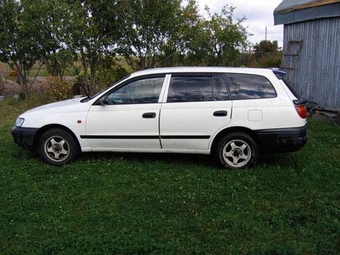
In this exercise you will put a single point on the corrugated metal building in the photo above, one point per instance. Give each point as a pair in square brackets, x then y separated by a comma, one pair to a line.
[311, 45]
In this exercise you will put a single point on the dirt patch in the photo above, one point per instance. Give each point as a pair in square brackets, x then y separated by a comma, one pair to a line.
[9, 88]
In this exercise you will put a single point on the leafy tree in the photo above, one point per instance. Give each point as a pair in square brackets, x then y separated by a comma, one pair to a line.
[23, 37]
[227, 37]
[148, 26]
[192, 38]
[264, 47]
[58, 60]
[91, 34]
[267, 54]
[213, 40]
[58, 57]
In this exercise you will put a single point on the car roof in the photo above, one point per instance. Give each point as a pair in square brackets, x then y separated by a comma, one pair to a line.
[166, 70]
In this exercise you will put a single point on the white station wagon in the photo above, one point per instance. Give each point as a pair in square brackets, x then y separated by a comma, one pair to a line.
[233, 114]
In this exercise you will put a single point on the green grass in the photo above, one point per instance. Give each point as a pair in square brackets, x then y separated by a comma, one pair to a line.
[170, 204]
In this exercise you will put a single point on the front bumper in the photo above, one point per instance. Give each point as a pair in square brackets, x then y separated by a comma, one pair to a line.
[283, 140]
[24, 137]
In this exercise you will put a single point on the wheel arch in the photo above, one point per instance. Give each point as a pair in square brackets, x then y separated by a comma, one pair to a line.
[43, 129]
[230, 130]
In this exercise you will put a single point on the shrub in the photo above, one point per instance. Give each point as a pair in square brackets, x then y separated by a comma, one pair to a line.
[59, 89]
[13, 74]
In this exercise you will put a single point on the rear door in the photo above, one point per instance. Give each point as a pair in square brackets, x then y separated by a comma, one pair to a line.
[197, 107]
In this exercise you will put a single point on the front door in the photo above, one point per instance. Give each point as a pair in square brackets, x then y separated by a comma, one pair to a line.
[128, 118]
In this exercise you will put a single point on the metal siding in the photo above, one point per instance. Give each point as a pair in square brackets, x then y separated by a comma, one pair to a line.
[311, 10]
[317, 70]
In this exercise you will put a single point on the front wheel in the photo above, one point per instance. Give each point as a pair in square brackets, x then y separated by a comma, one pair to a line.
[57, 147]
[237, 151]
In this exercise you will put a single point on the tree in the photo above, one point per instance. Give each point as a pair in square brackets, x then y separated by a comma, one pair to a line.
[192, 39]
[23, 37]
[91, 34]
[58, 57]
[226, 37]
[267, 54]
[216, 39]
[148, 26]
[264, 47]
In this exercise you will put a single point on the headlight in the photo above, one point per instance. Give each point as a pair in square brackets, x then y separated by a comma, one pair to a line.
[19, 122]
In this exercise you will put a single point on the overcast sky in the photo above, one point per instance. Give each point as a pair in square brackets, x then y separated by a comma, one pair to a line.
[259, 15]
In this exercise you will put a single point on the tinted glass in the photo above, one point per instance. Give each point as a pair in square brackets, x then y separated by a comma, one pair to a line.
[246, 86]
[197, 88]
[144, 91]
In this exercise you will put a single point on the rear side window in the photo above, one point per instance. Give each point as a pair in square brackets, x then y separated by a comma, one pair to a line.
[247, 86]
[193, 88]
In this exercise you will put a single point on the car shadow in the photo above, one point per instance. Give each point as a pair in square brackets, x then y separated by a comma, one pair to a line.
[173, 158]
[265, 160]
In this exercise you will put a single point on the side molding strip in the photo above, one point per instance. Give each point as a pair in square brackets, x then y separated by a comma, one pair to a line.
[143, 137]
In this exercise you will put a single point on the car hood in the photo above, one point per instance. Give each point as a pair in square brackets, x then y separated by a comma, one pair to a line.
[59, 106]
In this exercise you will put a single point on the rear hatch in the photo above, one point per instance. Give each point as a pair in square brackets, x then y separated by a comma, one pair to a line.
[299, 101]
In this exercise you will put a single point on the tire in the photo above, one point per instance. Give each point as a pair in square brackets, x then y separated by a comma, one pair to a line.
[237, 151]
[57, 147]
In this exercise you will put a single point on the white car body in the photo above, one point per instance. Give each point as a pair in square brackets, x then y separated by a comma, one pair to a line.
[162, 126]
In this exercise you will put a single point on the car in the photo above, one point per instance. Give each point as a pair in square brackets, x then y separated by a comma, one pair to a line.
[233, 114]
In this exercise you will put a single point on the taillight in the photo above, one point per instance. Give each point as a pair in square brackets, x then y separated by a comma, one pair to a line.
[300, 107]
[301, 110]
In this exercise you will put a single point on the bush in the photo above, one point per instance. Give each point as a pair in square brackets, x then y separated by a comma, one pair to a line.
[13, 74]
[59, 89]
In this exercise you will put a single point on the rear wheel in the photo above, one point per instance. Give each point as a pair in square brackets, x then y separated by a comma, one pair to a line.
[237, 151]
[57, 147]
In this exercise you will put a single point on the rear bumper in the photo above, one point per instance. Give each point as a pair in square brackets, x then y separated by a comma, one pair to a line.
[24, 137]
[282, 140]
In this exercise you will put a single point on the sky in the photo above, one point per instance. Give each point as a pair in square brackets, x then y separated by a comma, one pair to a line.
[259, 15]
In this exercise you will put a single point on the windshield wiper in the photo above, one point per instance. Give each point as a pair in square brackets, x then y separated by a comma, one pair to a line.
[82, 85]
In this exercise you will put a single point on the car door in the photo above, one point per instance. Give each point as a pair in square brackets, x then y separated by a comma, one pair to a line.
[197, 107]
[127, 117]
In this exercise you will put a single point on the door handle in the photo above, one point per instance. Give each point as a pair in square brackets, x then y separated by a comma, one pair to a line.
[220, 113]
[149, 115]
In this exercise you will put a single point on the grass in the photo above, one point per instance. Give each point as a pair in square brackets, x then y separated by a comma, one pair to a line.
[170, 204]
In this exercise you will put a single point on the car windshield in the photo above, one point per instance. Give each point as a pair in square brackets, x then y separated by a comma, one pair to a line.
[86, 99]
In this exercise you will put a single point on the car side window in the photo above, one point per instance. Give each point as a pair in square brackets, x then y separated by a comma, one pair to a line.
[193, 88]
[143, 91]
[247, 86]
